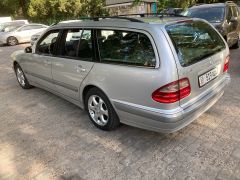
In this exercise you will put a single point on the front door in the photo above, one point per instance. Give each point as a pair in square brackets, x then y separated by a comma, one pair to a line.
[39, 64]
[74, 63]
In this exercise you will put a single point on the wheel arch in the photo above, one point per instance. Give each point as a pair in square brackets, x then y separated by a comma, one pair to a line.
[87, 88]
[15, 63]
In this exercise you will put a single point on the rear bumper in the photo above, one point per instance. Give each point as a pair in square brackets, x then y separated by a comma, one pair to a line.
[167, 121]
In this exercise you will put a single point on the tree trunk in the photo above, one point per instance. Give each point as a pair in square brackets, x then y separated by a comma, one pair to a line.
[23, 7]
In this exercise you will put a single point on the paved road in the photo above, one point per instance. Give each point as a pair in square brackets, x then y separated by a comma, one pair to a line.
[45, 137]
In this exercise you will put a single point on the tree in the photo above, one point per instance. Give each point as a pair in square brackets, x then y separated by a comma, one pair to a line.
[57, 10]
[181, 3]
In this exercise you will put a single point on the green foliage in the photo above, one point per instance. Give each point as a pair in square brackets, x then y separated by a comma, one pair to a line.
[181, 3]
[51, 11]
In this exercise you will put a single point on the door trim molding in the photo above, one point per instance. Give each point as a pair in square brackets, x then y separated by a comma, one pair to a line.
[67, 86]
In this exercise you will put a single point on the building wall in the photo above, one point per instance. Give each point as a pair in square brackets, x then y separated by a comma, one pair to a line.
[128, 8]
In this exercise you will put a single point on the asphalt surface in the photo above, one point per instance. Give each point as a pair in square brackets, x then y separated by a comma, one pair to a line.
[45, 137]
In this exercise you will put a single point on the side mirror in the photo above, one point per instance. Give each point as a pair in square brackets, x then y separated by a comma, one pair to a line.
[28, 49]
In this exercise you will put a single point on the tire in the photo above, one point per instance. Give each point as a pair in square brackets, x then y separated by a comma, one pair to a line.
[12, 41]
[21, 78]
[236, 45]
[100, 110]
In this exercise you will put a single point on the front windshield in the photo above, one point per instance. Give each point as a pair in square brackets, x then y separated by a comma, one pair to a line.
[214, 14]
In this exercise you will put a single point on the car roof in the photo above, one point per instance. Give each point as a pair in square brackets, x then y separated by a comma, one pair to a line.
[134, 22]
[212, 5]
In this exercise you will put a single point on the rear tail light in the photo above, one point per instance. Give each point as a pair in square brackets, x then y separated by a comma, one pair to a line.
[226, 64]
[172, 92]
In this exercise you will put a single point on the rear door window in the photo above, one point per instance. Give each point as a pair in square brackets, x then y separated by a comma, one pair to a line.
[194, 41]
[125, 47]
[77, 44]
[71, 42]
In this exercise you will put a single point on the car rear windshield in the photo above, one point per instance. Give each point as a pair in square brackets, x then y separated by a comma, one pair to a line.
[194, 41]
[213, 14]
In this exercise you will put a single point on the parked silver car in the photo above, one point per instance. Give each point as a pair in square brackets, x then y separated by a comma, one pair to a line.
[158, 74]
[21, 34]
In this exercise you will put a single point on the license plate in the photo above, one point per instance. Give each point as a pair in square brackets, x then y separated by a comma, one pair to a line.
[207, 77]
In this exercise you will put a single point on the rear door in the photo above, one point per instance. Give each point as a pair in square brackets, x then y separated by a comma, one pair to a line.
[201, 55]
[74, 62]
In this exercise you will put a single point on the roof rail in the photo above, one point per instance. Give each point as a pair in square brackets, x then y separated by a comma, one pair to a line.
[117, 17]
[111, 17]
[132, 19]
[154, 14]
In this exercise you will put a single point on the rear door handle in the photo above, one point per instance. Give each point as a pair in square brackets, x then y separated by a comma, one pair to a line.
[79, 68]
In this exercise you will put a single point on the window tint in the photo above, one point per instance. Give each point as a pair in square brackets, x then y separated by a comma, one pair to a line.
[85, 46]
[77, 44]
[48, 43]
[194, 41]
[71, 43]
[125, 47]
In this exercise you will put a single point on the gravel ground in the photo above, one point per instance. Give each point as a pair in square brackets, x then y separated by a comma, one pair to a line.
[45, 137]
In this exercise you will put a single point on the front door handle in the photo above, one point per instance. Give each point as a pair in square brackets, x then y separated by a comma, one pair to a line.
[79, 68]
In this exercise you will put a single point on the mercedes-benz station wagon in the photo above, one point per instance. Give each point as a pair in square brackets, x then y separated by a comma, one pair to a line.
[155, 73]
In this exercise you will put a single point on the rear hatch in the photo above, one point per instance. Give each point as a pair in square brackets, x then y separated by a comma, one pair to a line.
[202, 56]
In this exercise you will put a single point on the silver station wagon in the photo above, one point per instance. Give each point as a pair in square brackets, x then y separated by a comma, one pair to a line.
[155, 73]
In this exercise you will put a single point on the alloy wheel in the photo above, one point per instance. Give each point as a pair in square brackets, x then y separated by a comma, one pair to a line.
[20, 76]
[98, 110]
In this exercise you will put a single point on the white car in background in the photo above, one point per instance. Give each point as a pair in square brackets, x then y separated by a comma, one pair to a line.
[21, 34]
[7, 26]
[35, 37]
[5, 19]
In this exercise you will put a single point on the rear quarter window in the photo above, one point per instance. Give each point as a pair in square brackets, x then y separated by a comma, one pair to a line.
[126, 48]
[194, 41]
